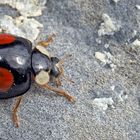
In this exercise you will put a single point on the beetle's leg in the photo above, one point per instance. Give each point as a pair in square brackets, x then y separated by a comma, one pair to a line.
[47, 42]
[60, 64]
[58, 82]
[60, 92]
[63, 75]
[67, 79]
[15, 110]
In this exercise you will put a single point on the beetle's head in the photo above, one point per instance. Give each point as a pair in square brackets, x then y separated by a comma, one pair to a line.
[56, 69]
[44, 66]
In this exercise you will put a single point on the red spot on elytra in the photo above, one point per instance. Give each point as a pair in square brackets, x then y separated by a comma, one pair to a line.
[6, 39]
[6, 80]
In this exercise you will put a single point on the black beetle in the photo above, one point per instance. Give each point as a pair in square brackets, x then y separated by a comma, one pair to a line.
[19, 64]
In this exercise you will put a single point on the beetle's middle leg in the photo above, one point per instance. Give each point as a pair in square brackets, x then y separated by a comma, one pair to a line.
[15, 110]
[60, 92]
[47, 42]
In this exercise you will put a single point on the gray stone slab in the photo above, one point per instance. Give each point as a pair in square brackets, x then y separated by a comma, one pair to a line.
[47, 116]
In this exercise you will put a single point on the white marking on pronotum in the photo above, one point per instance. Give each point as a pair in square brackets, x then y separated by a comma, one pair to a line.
[42, 78]
[43, 50]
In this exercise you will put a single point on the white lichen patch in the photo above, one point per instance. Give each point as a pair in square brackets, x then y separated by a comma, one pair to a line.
[21, 26]
[116, 1]
[134, 33]
[122, 97]
[112, 87]
[109, 26]
[136, 43]
[106, 58]
[27, 8]
[138, 7]
[100, 56]
[42, 78]
[103, 103]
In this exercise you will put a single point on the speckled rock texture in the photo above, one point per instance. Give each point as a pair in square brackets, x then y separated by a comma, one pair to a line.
[107, 92]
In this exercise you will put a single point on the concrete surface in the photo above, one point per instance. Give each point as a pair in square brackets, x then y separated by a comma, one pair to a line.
[47, 116]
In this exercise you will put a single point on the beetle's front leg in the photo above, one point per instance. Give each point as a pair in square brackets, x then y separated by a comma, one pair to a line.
[58, 82]
[47, 42]
[15, 110]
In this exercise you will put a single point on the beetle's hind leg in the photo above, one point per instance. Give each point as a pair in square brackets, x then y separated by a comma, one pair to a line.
[15, 110]
[48, 41]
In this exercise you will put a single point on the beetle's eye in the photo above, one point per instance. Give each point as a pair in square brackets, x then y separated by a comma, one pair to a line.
[54, 60]
[55, 71]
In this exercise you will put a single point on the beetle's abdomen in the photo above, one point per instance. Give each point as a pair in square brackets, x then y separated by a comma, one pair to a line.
[15, 67]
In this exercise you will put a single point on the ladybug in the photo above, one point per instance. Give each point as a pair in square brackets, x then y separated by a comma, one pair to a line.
[20, 64]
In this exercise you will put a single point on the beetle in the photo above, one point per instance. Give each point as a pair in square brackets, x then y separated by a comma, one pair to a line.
[20, 64]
